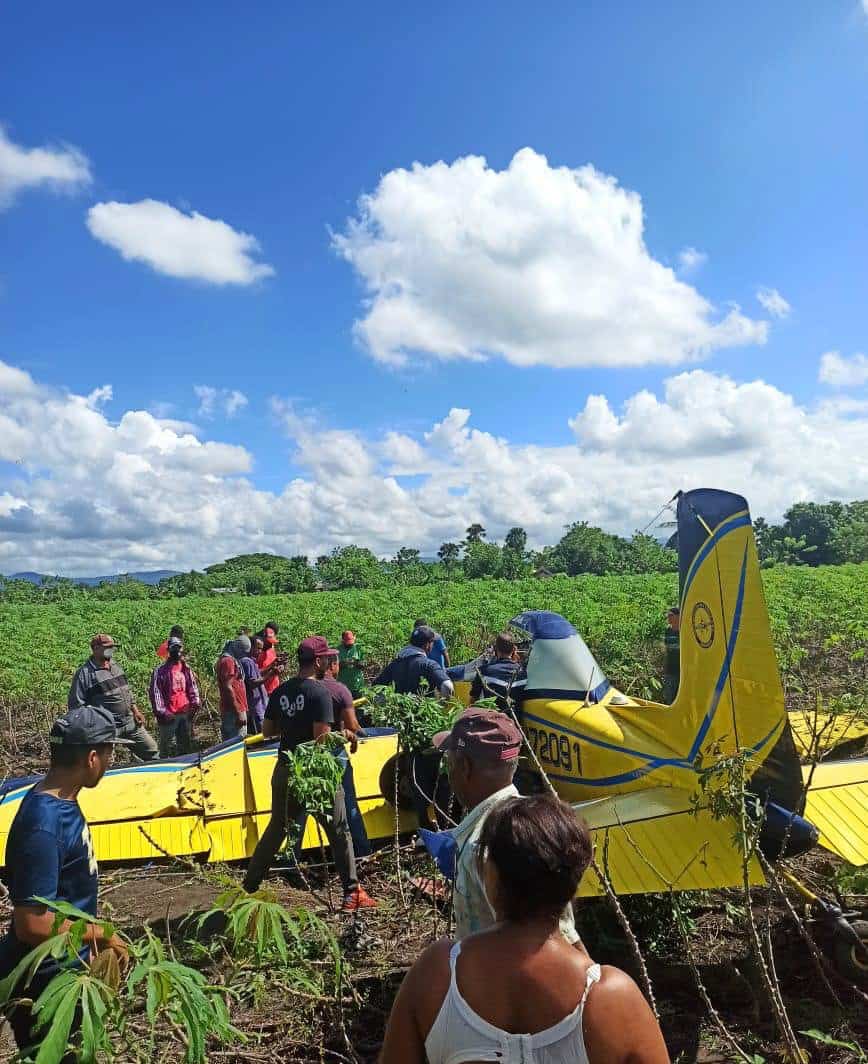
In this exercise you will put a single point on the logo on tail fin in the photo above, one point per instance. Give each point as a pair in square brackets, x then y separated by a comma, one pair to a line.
[703, 625]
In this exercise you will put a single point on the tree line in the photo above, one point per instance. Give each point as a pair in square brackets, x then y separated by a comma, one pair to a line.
[810, 534]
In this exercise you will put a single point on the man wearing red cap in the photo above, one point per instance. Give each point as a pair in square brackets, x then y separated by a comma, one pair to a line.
[100, 681]
[482, 752]
[300, 711]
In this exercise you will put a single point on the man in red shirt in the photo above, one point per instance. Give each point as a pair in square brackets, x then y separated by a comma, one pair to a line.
[267, 657]
[233, 692]
[174, 699]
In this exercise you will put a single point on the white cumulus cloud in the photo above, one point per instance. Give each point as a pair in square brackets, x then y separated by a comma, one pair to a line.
[168, 499]
[841, 372]
[771, 300]
[62, 168]
[188, 246]
[537, 264]
[213, 401]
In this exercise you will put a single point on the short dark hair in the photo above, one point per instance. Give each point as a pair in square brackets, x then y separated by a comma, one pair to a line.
[176, 632]
[504, 645]
[273, 625]
[420, 622]
[540, 849]
[69, 756]
[422, 635]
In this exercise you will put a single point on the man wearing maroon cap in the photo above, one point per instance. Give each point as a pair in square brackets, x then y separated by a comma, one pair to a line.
[100, 681]
[299, 711]
[482, 752]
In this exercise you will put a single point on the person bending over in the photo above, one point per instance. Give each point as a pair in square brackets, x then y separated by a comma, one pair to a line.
[518, 992]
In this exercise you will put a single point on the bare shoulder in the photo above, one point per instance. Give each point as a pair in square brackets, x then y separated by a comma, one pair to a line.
[618, 1023]
[427, 983]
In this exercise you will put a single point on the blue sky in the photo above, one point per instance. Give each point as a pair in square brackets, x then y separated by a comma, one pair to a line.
[739, 129]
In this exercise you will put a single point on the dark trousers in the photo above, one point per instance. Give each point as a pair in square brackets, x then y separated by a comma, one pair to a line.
[429, 786]
[285, 808]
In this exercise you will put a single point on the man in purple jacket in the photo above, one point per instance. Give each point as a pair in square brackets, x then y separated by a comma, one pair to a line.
[174, 699]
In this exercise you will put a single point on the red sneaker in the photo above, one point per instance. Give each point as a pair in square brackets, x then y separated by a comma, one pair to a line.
[358, 899]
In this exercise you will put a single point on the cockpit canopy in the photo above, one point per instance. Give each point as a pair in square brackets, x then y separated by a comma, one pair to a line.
[560, 664]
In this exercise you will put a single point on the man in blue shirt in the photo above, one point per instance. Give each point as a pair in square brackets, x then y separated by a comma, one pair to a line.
[406, 673]
[438, 651]
[502, 677]
[49, 855]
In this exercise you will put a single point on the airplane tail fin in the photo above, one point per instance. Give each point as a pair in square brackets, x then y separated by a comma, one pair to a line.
[730, 697]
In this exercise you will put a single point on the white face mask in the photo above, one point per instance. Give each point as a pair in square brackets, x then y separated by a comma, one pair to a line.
[108, 653]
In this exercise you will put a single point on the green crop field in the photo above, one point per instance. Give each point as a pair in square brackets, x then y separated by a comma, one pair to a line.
[819, 621]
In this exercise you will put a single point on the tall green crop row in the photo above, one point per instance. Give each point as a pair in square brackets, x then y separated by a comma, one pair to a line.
[818, 615]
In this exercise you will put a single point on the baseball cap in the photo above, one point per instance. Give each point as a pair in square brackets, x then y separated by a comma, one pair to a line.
[348, 638]
[102, 640]
[86, 726]
[315, 646]
[422, 635]
[483, 734]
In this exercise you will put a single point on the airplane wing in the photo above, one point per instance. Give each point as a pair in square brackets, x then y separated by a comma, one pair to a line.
[818, 733]
[653, 841]
[837, 804]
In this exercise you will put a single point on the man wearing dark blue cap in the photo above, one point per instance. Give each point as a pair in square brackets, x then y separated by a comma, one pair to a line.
[49, 855]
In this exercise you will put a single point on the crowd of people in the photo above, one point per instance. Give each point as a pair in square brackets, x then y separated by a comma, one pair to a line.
[516, 862]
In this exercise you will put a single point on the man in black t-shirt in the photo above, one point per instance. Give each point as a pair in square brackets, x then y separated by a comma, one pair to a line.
[300, 710]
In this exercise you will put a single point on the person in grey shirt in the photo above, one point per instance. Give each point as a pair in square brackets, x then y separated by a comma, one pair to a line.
[101, 682]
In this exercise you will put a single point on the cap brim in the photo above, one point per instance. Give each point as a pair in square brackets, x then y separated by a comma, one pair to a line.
[441, 741]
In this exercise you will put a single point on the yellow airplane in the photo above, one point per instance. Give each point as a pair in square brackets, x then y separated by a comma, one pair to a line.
[631, 767]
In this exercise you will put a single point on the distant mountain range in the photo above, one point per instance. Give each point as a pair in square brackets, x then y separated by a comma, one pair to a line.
[91, 581]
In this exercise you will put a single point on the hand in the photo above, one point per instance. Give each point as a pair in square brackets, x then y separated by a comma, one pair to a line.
[117, 946]
[242, 728]
[351, 738]
[137, 716]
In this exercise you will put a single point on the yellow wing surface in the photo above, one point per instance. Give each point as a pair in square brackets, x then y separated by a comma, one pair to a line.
[818, 733]
[837, 804]
[654, 842]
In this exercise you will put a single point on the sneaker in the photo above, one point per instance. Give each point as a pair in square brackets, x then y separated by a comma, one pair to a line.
[358, 899]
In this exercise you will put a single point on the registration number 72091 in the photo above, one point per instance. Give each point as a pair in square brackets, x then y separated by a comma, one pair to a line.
[555, 749]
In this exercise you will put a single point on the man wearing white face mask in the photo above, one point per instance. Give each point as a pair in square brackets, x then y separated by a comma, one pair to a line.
[100, 681]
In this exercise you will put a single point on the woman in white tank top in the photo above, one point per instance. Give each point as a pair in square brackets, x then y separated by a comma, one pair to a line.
[518, 993]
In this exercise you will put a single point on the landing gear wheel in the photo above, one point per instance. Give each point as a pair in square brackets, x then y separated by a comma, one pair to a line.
[401, 764]
[851, 960]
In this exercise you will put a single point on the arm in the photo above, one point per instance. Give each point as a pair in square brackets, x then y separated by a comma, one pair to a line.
[78, 689]
[158, 704]
[416, 1006]
[385, 677]
[193, 696]
[270, 728]
[446, 660]
[37, 875]
[437, 679]
[35, 924]
[619, 1026]
[320, 730]
[476, 687]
